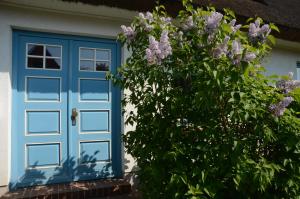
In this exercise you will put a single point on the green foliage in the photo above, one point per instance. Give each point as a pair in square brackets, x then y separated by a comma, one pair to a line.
[203, 128]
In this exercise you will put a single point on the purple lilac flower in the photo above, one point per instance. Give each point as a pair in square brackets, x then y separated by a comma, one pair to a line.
[279, 109]
[257, 33]
[166, 19]
[254, 29]
[232, 22]
[249, 56]
[150, 56]
[212, 22]
[128, 32]
[142, 16]
[149, 17]
[154, 45]
[287, 85]
[234, 27]
[265, 29]
[221, 49]
[286, 101]
[188, 24]
[237, 47]
[145, 21]
[157, 51]
[165, 45]
[236, 52]
[226, 39]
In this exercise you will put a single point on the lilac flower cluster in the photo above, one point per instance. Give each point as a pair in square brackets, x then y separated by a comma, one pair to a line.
[146, 20]
[148, 16]
[212, 22]
[128, 32]
[164, 22]
[157, 51]
[287, 86]
[237, 48]
[257, 33]
[221, 49]
[165, 45]
[166, 19]
[249, 56]
[279, 109]
[236, 52]
[234, 27]
[188, 24]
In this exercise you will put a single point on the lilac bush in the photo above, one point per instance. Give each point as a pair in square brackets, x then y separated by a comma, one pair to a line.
[208, 123]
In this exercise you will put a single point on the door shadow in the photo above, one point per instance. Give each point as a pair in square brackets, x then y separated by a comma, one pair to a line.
[88, 167]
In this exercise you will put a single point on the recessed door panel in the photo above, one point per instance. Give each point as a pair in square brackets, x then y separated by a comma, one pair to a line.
[37, 158]
[43, 88]
[43, 122]
[94, 90]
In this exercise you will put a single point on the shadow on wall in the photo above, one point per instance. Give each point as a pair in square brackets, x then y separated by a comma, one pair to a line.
[131, 176]
[87, 167]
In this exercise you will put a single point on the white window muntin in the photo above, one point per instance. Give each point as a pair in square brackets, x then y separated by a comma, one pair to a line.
[94, 60]
[44, 57]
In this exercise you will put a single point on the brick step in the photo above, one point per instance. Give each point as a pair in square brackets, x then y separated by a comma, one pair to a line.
[73, 190]
[123, 196]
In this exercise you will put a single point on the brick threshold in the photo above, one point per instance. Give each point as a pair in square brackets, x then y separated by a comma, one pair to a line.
[74, 190]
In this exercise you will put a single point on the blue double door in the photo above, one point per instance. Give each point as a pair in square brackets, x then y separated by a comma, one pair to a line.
[66, 114]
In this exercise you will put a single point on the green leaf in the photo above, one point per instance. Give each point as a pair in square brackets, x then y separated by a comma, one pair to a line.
[274, 27]
[215, 73]
[272, 39]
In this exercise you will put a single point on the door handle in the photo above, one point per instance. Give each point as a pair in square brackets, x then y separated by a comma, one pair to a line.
[74, 116]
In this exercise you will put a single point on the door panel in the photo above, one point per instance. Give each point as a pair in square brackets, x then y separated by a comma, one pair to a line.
[91, 97]
[66, 118]
[42, 111]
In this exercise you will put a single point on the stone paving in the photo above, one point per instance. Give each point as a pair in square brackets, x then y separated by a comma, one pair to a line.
[99, 189]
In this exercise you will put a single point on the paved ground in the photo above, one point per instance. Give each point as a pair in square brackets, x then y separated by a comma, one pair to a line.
[108, 189]
[3, 190]
[127, 196]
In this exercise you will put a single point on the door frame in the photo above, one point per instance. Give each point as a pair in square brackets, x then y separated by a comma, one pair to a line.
[116, 103]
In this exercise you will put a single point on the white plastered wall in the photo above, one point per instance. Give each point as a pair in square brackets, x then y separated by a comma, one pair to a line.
[283, 59]
[50, 16]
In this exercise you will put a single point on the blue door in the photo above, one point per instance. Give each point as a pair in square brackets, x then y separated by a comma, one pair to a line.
[66, 115]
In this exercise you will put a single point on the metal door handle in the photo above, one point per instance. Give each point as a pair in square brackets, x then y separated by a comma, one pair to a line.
[74, 116]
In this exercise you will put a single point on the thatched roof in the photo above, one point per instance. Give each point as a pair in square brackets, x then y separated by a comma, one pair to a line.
[284, 13]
